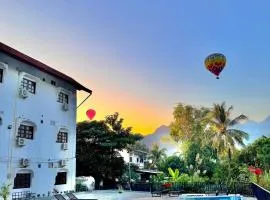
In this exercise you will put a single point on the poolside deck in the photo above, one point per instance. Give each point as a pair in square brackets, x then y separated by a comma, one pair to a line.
[126, 195]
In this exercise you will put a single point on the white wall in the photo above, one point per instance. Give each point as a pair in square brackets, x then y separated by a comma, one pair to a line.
[125, 154]
[42, 106]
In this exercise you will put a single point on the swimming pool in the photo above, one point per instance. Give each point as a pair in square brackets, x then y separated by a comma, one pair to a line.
[233, 197]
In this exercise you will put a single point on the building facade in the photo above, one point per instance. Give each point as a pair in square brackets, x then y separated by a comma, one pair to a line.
[37, 125]
[136, 157]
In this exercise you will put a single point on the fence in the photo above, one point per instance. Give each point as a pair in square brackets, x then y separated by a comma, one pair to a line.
[242, 188]
[260, 193]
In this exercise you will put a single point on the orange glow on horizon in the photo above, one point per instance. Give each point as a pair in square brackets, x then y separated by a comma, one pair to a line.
[143, 118]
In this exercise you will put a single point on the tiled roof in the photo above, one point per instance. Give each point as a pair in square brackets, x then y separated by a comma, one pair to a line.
[41, 66]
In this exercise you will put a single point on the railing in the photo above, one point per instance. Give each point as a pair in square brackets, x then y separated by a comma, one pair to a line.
[242, 188]
[146, 187]
[260, 193]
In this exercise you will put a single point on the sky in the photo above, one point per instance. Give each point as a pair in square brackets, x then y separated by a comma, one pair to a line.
[141, 58]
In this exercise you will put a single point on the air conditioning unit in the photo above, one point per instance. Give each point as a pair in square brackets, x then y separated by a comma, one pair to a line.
[64, 146]
[21, 142]
[63, 163]
[65, 106]
[23, 93]
[25, 162]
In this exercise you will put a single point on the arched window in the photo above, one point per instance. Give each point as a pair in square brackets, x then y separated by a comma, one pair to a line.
[28, 82]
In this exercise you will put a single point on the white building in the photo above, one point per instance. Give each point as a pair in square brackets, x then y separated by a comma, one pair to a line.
[136, 157]
[37, 125]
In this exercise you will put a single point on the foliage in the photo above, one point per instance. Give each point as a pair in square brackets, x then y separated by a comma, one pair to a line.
[257, 154]
[156, 155]
[159, 178]
[5, 191]
[98, 144]
[222, 135]
[138, 146]
[173, 162]
[201, 159]
[265, 180]
[188, 123]
[227, 172]
[174, 175]
[133, 175]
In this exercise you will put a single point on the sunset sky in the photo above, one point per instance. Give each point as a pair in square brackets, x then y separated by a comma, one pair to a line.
[142, 57]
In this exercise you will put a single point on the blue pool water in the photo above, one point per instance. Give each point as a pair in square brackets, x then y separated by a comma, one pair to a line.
[214, 198]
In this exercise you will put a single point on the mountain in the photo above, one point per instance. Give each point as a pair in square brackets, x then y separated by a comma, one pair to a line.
[161, 135]
[156, 137]
[256, 129]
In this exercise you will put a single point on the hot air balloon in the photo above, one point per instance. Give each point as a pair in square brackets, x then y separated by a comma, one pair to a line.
[91, 114]
[215, 63]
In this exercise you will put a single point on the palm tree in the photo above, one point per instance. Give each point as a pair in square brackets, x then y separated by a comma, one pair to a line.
[222, 135]
[156, 155]
[5, 191]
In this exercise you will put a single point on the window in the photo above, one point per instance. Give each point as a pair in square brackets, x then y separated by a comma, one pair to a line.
[62, 137]
[53, 82]
[22, 181]
[1, 75]
[26, 132]
[61, 178]
[62, 98]
[130, 159]
[30, 86]
[137, 160]
[141, 160]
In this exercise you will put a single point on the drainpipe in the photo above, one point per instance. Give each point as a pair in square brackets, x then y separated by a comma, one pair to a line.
[12, 133]
[84, 100]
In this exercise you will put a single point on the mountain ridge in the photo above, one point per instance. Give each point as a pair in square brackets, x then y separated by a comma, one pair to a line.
[255, 130]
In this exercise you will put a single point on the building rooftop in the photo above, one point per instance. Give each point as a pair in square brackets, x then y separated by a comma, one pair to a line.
[41, 66]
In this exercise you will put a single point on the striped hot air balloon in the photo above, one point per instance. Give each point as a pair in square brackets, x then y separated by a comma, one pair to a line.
[215, 63]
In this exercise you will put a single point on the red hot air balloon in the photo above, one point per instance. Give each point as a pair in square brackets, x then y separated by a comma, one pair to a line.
[91, 114]
[215, 63]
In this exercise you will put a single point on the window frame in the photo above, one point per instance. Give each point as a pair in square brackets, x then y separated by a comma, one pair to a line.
[63, 97]
[62, 137]
[60, 180]
[20, 184]
[29, 85]
[26, 134]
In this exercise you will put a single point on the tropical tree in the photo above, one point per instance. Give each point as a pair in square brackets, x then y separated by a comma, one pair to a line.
[156, 155]
[188, 124]
[257, 154]
[138, 146]
[222, 135]
[201, 158]
[173, 162]
[98, 146]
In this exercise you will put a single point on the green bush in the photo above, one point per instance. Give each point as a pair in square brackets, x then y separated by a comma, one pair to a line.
[264, 180]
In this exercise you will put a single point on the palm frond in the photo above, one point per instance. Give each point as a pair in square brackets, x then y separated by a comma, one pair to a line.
[238, 120]
[238, 136]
